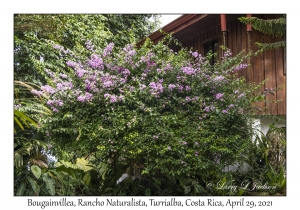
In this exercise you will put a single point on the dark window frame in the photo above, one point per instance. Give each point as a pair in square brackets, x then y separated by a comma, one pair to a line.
[212, 46]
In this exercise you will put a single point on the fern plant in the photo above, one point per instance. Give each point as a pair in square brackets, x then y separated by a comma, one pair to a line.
[274, 27]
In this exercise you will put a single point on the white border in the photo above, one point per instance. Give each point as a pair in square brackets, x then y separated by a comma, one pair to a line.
[8, 201]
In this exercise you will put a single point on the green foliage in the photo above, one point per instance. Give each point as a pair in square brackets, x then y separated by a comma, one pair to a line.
[21, 189]
[34, 36]
[274, 27]
[129, 28]
[49, 183]
[36, 171]
[191, 130]
[170, 115]
[271, 46]
[267, 157]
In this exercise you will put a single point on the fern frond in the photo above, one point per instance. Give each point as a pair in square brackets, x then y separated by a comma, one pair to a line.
[271, 46]
[274, 27]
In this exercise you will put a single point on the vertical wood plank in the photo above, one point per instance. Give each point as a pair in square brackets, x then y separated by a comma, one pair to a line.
[244, 41]
[239, 35]
[258, 66]
[233, 35]
[280, 79]
[229, 35]
[270, 72]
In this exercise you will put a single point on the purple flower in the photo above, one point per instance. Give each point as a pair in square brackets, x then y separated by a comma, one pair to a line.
[95, 62]
[106, 95]
[48, 89]
[180, 88]
[113, 99]
[80, 98]
[80, 72]
[89, 45]
[241, 66]
[35, 92]
[171, 86]
[243, 94]
[168, 67]
[64, 76]
[224, 111]
[71, 64]
[219, 78]
[59, 86]
[18, 106]
[187, 88]
[108, 49]
[184, 143]
[121, 98]
[230, 106]
[219, 95]
[126, 72]
[206, 109]
[196, 153]
[50, 102]
[108, 84]
[195, 54]
[195, 98]
[156, 88]
[142, 87]
[58, 47]
[60, 103]
[227, 53]
[188, 70]
[88, 96]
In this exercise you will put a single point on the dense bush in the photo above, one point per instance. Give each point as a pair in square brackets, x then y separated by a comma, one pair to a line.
[166, 113]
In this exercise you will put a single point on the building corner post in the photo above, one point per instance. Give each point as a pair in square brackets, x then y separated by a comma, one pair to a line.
[249, 29]
[224, 30]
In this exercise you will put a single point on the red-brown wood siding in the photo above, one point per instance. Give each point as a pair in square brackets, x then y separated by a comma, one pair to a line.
[281, 80]
[270, 71]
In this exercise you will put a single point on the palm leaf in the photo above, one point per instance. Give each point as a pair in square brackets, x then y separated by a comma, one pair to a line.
[23, 120]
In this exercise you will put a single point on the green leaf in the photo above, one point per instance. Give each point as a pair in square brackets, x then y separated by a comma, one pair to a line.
[87, 178]
[148, 192]
[36, 171]
[34, 184]
[21, 189]
[49, 183]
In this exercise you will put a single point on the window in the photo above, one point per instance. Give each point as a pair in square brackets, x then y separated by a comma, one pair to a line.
[212, 47]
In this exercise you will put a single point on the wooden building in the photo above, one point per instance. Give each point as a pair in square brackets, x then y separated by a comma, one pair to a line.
[204, 32]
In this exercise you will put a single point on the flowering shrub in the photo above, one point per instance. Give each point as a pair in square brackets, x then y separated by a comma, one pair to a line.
[168, 113]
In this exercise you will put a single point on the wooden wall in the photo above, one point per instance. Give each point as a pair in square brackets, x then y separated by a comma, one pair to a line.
[269, 65]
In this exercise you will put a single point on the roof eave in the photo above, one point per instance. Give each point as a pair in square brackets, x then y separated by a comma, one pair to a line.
[173, 27]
